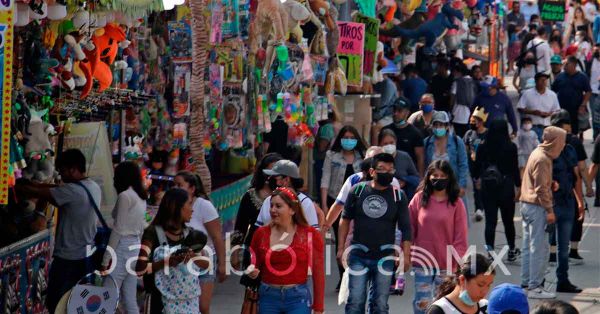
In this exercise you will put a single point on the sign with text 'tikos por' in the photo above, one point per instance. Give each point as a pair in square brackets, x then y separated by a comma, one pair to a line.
[552, 11]
[6, 57]
[350, 51]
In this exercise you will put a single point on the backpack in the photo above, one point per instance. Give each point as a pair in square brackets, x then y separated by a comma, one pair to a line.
[360, 187]
[533, 49]
[491, 177]
[466, 91]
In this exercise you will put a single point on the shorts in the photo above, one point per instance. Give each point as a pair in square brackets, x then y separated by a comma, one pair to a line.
[210, 274]
[523, 161]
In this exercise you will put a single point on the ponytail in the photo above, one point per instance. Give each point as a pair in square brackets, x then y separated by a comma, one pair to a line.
[194, 180]
[469, 269]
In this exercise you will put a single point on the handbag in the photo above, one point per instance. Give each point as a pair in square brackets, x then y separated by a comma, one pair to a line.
[250, 305]
[102, 232]
[584, 121]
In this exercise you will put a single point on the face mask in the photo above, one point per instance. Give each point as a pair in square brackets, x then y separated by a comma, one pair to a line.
[349, 143]
[427, 108]
[530, 61]
[401, 123]
[527, 126]
[272, 183]
[384, 178]
[439, 184]
[577, 38]
[439, 132]
[473, 126]
[466, 298]
[389, 149]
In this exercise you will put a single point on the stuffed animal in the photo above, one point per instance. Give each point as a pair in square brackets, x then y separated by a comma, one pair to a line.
[38, 150]
[271, 17]
[430, 30]
[321, 9]
[99, 58]
[297, 13]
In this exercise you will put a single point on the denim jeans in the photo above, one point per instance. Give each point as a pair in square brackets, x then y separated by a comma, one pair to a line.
[127, 282]
[535, 245]
[294, 300]
[539, 131]
[561, 236]
[427, 282]
[365, 271]
[595, 112]
[64, 275]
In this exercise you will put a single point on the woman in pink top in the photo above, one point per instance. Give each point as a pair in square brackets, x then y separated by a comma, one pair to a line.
[439, 225]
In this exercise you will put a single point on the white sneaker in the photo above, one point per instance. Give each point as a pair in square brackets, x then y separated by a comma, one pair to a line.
[479, 215]
[575, 261]
[539, 293]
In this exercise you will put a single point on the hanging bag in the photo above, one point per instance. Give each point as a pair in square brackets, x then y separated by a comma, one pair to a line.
[250, 305]
[102, 232]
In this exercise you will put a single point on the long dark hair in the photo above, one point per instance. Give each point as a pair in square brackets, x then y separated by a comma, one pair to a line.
[470, 269]
[453, 190]
[497, 141]
[554, 307]
[361, 147]
[128, 174]
[259, 178]
[169, 210]
[194, 180]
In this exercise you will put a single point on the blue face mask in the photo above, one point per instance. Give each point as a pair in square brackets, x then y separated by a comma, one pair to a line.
[439, 132]
[401, 123]
[349, 143]
[427, 108]
[466, 298]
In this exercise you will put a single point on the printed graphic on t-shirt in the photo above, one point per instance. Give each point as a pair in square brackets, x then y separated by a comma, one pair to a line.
[374, 206]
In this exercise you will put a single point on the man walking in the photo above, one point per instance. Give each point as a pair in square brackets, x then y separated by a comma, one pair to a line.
[537, 210]
[573, 90]
[495, 103]
[376, 209]
[542, 50]
[539, 104]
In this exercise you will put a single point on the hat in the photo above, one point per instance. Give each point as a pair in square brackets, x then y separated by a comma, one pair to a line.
[284, 167]
[540, 75]
[480, 113]
[560, 117]
[555, 59]
[491, 81]
[401, 103]
[508, 297]
[440, 116]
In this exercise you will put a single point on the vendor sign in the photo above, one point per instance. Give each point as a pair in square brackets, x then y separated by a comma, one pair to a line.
[350, 51]
[552, 11]
[371, 37]
[6, 37]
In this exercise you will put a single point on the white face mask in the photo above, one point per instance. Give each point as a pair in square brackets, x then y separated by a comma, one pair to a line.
[578, 39]
[527, 126]
[389, 149]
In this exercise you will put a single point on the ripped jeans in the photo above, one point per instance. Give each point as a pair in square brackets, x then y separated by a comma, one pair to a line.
[427, 282]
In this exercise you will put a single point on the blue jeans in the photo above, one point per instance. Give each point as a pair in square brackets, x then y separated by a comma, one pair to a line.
[377, 272]
[561, 236]
[427, 282]
[294, 300]
[535, 245]
[595, 112]
[539, 131]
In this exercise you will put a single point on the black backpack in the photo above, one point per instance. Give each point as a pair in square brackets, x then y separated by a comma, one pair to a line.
[533, 49]
[491, 178]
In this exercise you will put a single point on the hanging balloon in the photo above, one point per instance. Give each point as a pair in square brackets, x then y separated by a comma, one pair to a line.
[81, 18]
[40, 14]
[57, 12]
[22, 14]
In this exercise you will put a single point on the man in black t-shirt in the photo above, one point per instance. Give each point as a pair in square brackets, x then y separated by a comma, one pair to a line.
[409, 138]
[376, 209]
[440, 86]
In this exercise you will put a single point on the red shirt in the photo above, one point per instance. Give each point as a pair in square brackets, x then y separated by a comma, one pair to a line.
[290, 266]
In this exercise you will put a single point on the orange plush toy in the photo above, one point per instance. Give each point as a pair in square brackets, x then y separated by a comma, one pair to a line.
[321, 9]
[100, 57]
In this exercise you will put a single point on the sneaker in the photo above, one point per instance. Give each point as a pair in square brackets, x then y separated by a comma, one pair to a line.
[575, 258]
[513, 254]
[552, 260]
[479, 215]
[539, 293]
[567, 287]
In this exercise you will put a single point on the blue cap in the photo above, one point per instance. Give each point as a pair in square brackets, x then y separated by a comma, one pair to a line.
[508, 297]
[390, 68]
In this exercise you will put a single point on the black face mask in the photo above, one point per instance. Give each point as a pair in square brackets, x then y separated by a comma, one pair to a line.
[473, 126]
[530, 61]
[439, 184]
[384, 178]
[272, 183]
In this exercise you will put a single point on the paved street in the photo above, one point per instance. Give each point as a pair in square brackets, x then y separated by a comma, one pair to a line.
[228, 296]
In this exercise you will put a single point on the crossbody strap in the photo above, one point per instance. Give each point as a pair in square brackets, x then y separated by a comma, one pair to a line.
[94, 205]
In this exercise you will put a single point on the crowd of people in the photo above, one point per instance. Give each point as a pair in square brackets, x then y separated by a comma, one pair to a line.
[450, 128]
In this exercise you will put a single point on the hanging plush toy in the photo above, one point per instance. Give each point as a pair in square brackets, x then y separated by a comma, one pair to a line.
[430, 30]
[38, 150]
[103, 53]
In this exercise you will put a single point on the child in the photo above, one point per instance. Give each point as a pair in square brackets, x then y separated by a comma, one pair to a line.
[527, 141]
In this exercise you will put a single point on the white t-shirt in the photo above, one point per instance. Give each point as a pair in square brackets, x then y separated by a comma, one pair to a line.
[595, 76]
[589, 9]
[543, 53]
[352, 181]
[203, 211]
[449, 308]
[308, 207]
[583, 50]
[533, 100]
